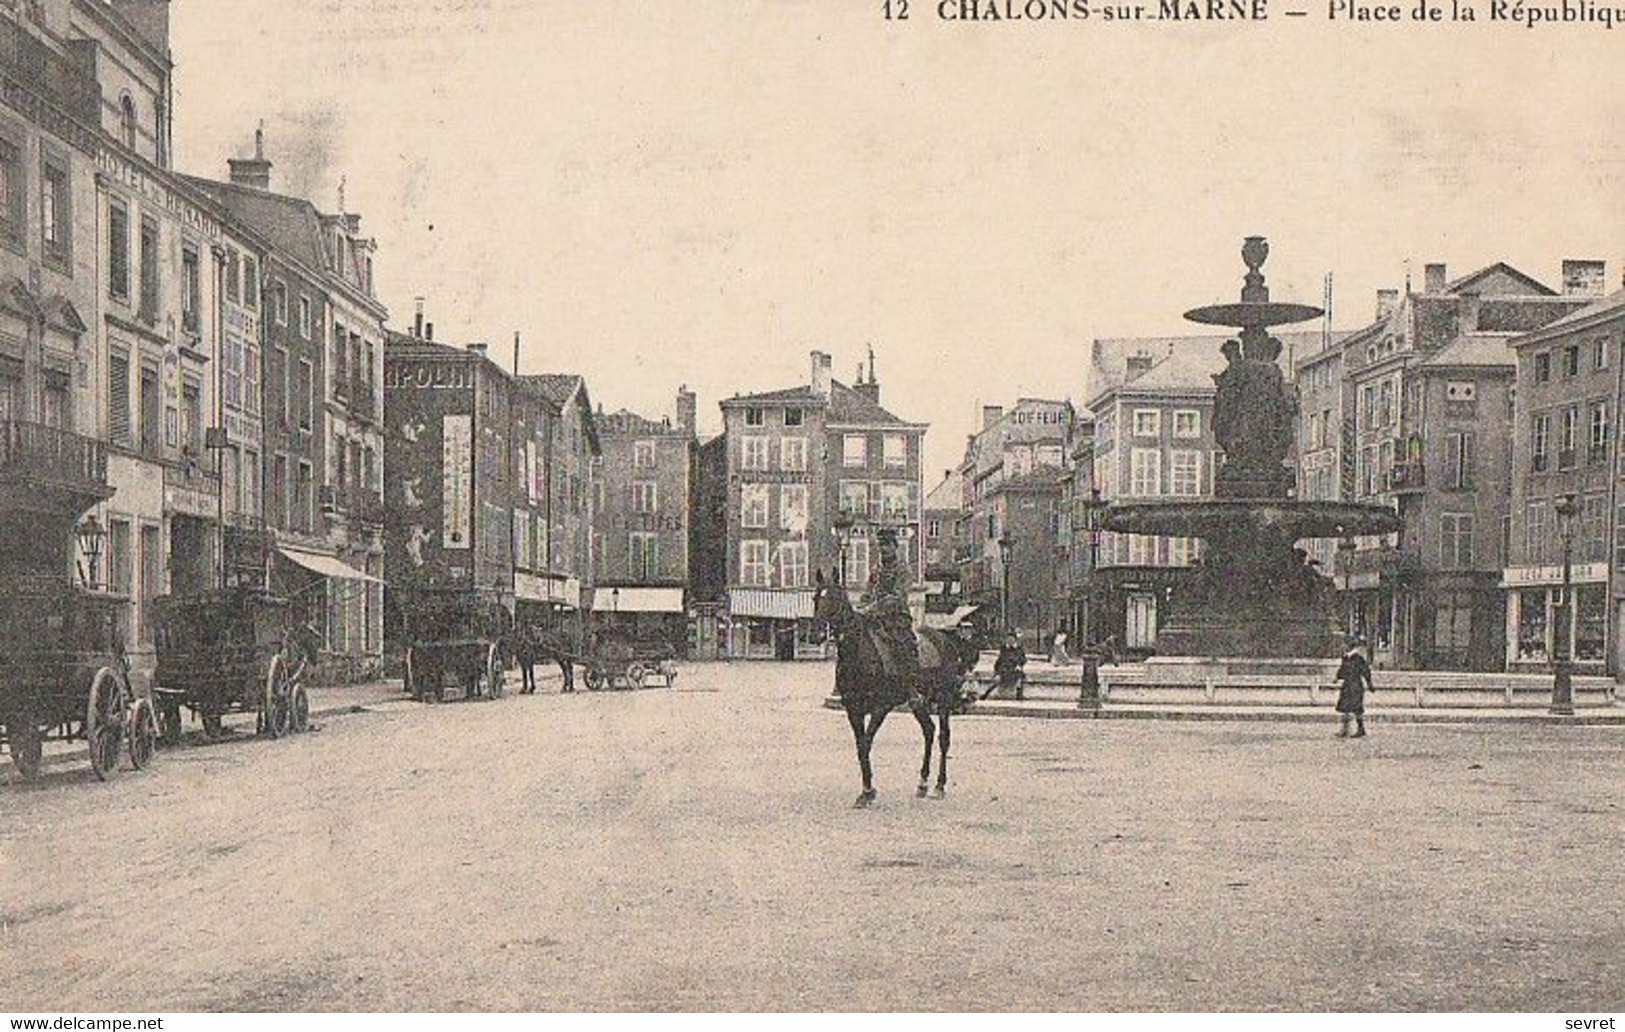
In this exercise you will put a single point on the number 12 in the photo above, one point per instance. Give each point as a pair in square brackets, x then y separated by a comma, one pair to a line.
[896, 10]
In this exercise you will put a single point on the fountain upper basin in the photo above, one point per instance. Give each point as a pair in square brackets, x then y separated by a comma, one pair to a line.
[1225, 516]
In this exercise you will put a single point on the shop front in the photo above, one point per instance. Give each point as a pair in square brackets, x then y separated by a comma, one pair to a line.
[764, 623]
[1534, 606]
[642, 614]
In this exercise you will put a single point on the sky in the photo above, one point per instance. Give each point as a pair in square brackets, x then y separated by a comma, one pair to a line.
[700, 193]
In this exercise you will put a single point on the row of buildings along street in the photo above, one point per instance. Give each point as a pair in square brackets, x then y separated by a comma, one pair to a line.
[214, 355]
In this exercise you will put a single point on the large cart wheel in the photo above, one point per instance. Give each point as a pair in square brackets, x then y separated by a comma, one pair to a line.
[595, 680]
[143, 733]
[169, 722]
[495, 676]
[104, 722]
[214, 728]
[635, 675]
[274, 706]
[299, 710]
[27, 747]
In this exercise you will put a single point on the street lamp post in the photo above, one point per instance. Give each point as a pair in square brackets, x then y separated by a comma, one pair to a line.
[92, 536]
[842, 531]
[1093, 518]
[1007, 545]
[1562, 643]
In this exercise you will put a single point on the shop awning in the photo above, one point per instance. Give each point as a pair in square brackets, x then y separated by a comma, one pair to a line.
[562, 591]
[326, 565]
[774, 605]
[637, 600]
[946, 621]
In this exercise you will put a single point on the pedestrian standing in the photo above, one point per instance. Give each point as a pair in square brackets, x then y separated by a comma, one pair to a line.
[1354, 679]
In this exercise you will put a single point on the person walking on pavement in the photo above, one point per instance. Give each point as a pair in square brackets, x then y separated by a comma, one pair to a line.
[1354, 677]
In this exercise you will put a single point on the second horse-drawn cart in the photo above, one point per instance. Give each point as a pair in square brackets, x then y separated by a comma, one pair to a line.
[457, 634]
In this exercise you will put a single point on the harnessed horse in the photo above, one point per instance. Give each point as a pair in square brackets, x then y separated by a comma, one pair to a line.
[869, 690]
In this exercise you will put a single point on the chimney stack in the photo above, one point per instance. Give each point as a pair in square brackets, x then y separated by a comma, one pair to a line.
[428, 331]
[1387, 303]
[869, 388]
[991, 414]
[687, 410]
[821, 375]
[1584, 277]
[1467, 319]
[1138, 365]
[1433, 278]
[417, 319]
[255, 172]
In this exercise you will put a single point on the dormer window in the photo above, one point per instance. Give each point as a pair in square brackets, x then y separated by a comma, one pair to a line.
[127, 125]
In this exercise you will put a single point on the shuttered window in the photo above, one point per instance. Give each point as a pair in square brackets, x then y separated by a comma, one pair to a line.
[118, 398]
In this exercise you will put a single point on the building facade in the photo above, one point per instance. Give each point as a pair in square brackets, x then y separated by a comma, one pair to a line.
[1565, 447]
[645, 491]
[796, 459]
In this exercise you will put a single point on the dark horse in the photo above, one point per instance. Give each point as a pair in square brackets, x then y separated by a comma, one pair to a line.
[869, 692]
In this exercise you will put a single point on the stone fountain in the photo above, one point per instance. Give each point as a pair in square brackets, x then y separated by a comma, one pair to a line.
[1254, 594]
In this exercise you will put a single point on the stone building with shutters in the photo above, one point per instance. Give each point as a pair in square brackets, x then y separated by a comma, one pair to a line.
[796, 459]
[1565, 441]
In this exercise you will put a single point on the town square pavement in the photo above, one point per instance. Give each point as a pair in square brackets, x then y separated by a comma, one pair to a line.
[694, 848]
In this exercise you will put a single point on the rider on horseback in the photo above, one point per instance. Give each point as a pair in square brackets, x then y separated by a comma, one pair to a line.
[886, 601]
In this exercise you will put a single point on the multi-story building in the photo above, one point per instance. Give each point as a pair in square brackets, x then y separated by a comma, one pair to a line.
[796, 458]
[52, 424]
[569, 448]
[1153, 439]
[1565, 449]
[1432, 390]
[1078, 532]
[313, 359]
[642, 519]
[1010, 475]
[939, 561]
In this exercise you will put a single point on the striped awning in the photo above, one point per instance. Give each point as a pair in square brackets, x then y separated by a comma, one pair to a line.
[774, 605]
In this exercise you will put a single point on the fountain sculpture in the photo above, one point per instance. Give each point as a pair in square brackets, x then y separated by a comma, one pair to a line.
[1254, 594]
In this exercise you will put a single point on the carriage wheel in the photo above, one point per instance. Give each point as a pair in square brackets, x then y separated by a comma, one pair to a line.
[635, 675]
[299, 710]
[27, 748]
[143, 733]
[104, 723]
[169, 722]
[595, 680]
[275, 706]
[495, 676]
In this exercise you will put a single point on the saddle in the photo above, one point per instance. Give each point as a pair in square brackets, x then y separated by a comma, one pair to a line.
[895, 658]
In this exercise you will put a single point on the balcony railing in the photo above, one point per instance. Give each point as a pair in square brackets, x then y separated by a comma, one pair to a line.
[36, 450]
[1407, 476]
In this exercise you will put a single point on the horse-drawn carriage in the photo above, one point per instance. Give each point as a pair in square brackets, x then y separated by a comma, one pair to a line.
[234, 649]
[617, 662]
[64, 676]
[456, 633]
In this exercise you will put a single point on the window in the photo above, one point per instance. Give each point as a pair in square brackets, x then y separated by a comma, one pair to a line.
[934, 529]
[1571, 360]
[894, 503]
[304, 317]
[1460, 390]
[251, 282]
[895, 448]
[118, 397]
[1048, 455]
[793, 508]
[192, 412]
[755, 416]
[645, 497]
[1599, 353]
[1543, 367]
[754, 453]
[118, 251]
[643, 454]
[277, 498]
[234, 289]
[1540, 429]
[793, 564]
[1599, 431]
[855, 451]
[303, 388]
[149, 270]
[793, 453]
[1187, 423]
[276, 387]
[856, 573]
[643, 553]
[855, 498]
[151, 402]
[13, 193]
[1453, 623]
[127, 123]
[56, 212]
[1145, 473]
[277, 298]
[1147, 422]
[1571, 437]
[1456, 541]
[1142, 550]
[1185, 473]
[55, 412]
[753, 506]
[251, 483]
[191, 289]
[304, 514]
[753, 569]
[1459, 459]
[152, 576]
[1181, 550]
[792, 417]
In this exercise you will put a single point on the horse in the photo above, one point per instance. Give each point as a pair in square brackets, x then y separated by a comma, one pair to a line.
[869, 692]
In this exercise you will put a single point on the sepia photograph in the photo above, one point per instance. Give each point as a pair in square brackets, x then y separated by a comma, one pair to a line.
[811, 507]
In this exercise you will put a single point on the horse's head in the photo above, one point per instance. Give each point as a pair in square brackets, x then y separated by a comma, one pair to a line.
[830, 601]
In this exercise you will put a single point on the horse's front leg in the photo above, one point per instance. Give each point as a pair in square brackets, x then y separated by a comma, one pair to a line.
[928, 730]
[860, 737]
[942, 763]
